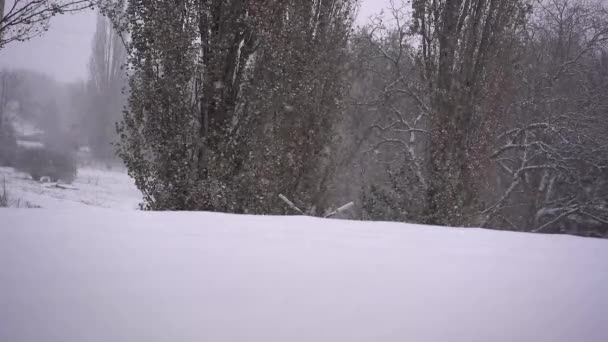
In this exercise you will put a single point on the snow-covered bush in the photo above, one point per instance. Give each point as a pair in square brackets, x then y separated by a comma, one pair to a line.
[41, 162]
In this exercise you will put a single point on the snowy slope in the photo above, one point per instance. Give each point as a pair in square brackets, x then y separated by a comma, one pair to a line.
[92, 187]
[100, 275]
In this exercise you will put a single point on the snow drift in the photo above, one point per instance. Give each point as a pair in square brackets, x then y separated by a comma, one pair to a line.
[101, 275]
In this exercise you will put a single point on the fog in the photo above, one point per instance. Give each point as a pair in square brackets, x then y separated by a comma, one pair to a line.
[52, 97]
[63, 52]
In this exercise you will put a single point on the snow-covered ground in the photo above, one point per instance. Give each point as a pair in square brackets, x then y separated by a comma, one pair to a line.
[92, 187]
[114, 275]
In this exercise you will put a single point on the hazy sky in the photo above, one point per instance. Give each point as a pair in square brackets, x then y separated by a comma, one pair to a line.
[63, 52]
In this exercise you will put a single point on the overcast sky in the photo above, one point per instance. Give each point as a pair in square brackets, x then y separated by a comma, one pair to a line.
[63, 52]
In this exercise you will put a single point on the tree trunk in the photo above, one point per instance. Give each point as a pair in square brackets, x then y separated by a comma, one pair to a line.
[447, 145]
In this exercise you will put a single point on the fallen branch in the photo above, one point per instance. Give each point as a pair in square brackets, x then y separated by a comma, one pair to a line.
[340, 210]
[290, 204]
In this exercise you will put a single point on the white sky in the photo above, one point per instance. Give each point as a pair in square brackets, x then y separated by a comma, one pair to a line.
[63, 52]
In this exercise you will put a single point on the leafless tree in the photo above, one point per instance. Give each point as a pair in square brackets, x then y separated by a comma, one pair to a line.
[396, 113]
[443, 69]
[552, 155]
[26, 19]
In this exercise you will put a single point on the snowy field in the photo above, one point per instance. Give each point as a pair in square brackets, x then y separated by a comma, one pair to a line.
[100, 275]
[92, 188]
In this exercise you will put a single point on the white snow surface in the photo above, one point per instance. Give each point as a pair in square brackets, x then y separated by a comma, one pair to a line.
[110, 275]
[93, 187]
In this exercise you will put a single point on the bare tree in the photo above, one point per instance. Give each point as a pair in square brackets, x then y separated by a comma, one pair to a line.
[396, 112]
[443, 67]
[552, 155]
[26, 19]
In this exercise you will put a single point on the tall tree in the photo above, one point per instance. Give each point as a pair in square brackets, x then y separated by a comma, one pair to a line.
[459, 40]
[208, 80]
[293, 103]
[106, 82]
[8, 142]
[158, 134]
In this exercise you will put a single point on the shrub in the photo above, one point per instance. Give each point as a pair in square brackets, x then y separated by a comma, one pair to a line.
[43, 162]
